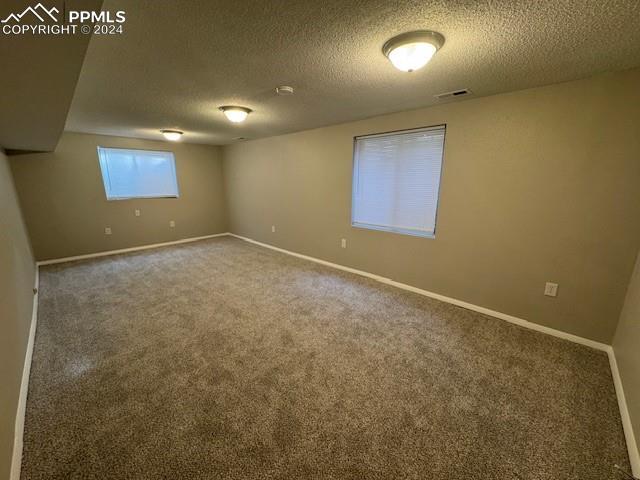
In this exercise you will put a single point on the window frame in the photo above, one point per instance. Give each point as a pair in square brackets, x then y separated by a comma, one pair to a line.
[391, 229]
[135, 197]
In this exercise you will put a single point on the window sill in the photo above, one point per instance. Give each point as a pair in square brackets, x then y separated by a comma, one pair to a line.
[400, 231]
[112, 199]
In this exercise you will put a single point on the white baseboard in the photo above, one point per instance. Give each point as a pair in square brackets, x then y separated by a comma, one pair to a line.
[16, 460]
[127, 250]
[632, 447]
[469, 306]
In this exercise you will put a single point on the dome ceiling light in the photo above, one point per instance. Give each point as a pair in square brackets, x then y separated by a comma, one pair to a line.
[235, 114]
[284, 90]
[412, 50]
[172, 135]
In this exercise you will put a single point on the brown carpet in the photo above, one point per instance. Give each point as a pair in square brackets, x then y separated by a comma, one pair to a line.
[225, 360]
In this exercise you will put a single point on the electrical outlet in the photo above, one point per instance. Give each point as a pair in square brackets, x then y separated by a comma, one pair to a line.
[273, 229]
[137, 212]
[107, 230]
[172, 223]
[344, 243]
[551, 289]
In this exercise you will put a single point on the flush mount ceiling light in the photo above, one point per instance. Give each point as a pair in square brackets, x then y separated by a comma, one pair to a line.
[235, 114]
[173, 135]
[284, 90]
[412, 50]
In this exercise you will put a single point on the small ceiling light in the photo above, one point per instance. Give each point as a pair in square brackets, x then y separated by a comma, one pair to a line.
[284, 90]
[412, 50]
[235, 114]
[173, 135]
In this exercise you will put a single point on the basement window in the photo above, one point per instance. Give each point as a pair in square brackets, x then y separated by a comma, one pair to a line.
[128, 173]
[396, 181]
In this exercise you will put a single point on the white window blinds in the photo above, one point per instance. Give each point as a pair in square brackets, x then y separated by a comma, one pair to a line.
[137, 173]
[396, 178]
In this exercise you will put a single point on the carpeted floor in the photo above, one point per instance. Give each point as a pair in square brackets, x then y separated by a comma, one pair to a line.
[225, 360]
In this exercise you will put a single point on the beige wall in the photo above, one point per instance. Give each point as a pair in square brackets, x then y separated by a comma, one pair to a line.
[66, 210]
[626, 346]
[17, 276]
[538, 185]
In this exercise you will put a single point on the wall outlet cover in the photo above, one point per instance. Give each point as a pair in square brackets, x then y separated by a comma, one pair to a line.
[551, 289]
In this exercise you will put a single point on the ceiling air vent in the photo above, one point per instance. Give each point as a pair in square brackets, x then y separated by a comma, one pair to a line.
[465, 92]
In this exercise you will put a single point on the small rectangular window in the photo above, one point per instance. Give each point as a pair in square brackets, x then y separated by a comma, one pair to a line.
[396, 181]
[137, 173]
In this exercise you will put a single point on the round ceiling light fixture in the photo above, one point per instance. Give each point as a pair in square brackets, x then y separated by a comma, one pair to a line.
[284, 90]
[173, 135]
[235, 114]
[412, 50]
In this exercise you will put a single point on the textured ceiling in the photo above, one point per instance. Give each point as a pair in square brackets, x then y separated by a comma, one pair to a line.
[38, 78]
[179, 60]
